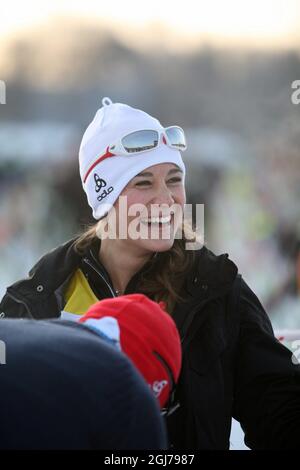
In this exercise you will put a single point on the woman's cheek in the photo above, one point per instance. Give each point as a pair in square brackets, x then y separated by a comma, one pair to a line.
[139, 199]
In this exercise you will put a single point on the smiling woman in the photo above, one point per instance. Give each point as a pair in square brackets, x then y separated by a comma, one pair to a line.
[232, 365]
[151, 182]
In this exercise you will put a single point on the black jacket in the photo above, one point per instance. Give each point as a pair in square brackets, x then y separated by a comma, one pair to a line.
[233, 365]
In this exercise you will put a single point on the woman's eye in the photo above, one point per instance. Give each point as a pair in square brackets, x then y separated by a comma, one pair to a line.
[147, 183]
[175, 180]
[141, 183]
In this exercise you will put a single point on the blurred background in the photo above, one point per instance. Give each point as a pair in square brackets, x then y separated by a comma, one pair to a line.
[221, 70]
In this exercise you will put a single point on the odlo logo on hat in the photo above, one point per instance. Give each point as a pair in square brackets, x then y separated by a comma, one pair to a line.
[101, 183]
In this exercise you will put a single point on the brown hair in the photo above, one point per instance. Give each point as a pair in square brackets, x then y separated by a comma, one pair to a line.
[165, 277]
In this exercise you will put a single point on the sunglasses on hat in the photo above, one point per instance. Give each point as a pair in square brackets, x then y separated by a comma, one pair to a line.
[142, 141]
[147, 139]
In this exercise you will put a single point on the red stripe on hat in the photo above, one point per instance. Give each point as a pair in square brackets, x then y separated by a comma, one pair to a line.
[103, 157]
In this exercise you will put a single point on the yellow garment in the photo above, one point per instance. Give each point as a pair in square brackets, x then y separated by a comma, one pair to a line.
[79, 295]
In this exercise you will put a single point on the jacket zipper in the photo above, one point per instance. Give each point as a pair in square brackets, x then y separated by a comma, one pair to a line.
[20, 302]
[87, 261]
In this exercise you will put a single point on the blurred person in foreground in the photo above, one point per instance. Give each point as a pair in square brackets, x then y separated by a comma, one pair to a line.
[96, 384]
[233, 366]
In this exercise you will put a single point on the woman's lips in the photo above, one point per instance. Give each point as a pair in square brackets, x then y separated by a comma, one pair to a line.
[158, 221]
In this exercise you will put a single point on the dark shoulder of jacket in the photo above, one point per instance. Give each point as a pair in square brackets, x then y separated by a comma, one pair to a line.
[52, 260]
[223, 276]
[44, 278]
[252, 313]
[212, 277]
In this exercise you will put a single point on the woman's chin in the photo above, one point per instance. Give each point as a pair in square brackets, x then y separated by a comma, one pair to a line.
[157, 245]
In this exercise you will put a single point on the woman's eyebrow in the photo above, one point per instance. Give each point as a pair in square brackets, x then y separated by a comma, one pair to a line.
[175, 170]
[148, 173]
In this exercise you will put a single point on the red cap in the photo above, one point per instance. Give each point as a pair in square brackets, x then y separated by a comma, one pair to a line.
[147, 335]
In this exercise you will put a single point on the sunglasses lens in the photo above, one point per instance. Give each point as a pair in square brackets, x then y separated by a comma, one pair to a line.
[140, 140]
[176, 137]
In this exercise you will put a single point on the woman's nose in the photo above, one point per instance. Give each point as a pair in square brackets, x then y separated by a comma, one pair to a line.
[163, 196]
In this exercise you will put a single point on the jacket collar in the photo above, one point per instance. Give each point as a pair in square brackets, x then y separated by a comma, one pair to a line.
[92, 254]
[49, 273]
[212, 275]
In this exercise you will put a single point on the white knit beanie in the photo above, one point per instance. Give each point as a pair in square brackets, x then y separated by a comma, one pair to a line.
[104, 181]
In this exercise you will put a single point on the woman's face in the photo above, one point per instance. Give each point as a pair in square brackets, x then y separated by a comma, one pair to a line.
[157, 189]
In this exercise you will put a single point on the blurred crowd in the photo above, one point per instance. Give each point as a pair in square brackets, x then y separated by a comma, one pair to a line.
[242, 160]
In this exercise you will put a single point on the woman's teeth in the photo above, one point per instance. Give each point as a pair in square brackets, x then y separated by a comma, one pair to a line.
[157, 220]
